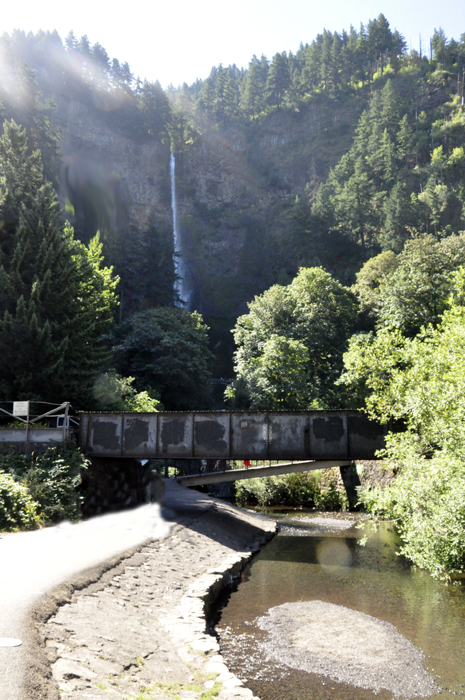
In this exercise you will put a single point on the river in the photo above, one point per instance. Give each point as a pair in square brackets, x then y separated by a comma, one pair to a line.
[319, 557]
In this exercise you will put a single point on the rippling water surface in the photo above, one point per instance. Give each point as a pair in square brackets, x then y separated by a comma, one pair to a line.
[318, 557]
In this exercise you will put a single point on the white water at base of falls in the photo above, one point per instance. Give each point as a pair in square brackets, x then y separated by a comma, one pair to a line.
[181, 285]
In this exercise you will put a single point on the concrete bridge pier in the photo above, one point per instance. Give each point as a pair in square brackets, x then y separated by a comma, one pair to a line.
[351, 481]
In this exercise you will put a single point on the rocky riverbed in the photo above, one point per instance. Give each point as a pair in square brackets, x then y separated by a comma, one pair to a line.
[346, 646]
[139, 631]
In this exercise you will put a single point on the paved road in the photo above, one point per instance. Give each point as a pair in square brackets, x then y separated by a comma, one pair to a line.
[33, 563]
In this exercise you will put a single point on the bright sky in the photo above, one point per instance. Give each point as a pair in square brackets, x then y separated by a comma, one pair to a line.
[178, 41]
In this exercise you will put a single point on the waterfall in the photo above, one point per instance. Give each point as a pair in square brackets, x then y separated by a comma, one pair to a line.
[181, 285]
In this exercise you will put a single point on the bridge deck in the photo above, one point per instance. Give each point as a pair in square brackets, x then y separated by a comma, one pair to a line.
[218, 477]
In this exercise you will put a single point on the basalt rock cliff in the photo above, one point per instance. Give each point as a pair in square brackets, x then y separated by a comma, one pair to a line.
[235, 188]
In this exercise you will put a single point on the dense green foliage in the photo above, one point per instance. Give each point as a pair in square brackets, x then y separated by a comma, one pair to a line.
[116, 393]
[166, 350]
[53, 479]
[307, 489]
[40, 488]
[56, 300]
[291, 342]
[410, 290]
[18, 511]
[421, 381]
[332, 64]
[326, 156]
[394, 180]
[358, 149]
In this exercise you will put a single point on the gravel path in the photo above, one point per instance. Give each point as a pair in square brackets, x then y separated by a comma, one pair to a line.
[139, 631]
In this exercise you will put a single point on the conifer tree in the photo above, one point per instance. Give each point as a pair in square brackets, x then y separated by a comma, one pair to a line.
[225, 96]
[55, 299]
[252, 101]
[379, 40]
[155, 109]
[310, 77]
[278, 80]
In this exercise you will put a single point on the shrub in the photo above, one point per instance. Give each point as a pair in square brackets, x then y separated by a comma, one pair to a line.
[427, 503]
[309, 489]
[18, 511]
[52, 479]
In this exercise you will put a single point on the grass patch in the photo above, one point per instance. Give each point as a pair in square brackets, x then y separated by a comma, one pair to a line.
[173, 689]
[212, 693]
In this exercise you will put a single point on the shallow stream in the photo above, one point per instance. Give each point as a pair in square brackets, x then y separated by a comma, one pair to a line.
[318, 557]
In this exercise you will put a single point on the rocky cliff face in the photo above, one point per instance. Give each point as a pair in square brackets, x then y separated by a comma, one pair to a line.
[235, 189]
[110, 177]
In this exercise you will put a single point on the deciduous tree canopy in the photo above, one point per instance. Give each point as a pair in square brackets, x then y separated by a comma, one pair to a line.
[290, 344]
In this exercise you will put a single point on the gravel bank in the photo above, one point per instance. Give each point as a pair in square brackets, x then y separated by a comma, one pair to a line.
[347, 646]
[139, 630]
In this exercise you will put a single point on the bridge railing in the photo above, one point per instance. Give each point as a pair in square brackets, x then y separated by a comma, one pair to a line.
[33, 424]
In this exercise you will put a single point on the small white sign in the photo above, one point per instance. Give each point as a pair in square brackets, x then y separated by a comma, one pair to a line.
[20, 408]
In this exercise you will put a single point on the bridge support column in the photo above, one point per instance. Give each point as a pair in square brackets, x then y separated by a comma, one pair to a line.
[351, 480]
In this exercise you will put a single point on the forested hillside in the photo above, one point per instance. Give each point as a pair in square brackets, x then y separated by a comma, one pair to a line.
[280, 158]
[327, 156]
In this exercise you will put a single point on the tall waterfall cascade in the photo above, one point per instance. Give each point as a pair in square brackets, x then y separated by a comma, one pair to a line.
[181, 286]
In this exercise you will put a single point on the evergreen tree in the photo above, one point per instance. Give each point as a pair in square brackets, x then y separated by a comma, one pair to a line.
[252, 100]
[406, 144]
[439, 44]
[362, 54]
[335, 64]
[55, 299]
[379, 41]
[155, 108]
[399, 217]
[310, 78]
[225, 101]
[207, 93]
[398, 47]
[278, 80]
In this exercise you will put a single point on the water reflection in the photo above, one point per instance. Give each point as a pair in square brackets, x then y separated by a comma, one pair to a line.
[332, 555]
[311, 561]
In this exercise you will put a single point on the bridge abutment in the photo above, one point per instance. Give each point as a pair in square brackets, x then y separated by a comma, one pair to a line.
[113, 484]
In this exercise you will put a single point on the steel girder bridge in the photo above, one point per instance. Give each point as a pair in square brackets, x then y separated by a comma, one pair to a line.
[298, 440]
